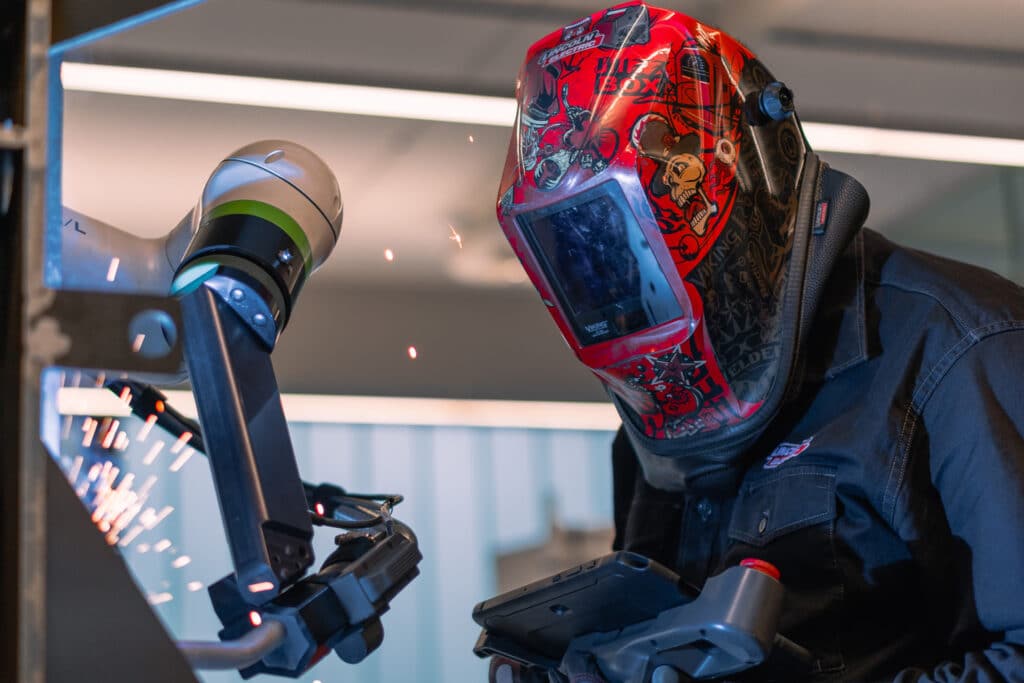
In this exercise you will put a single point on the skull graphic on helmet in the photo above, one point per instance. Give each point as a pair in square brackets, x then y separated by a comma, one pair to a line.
[682, 169]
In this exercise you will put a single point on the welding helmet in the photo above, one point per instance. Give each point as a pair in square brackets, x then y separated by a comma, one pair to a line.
[652, 192]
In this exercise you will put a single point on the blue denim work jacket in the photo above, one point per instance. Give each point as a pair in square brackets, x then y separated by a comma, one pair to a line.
[889, 491]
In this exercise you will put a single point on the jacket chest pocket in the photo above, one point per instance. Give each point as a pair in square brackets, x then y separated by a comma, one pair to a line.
[783, 502]
[787, 517]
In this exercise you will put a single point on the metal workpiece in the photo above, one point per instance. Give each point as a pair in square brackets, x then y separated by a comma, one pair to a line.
[109, 331]
[731, 626]
[261, 496]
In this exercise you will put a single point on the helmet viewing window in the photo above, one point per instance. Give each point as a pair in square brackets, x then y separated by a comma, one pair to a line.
[600, 265]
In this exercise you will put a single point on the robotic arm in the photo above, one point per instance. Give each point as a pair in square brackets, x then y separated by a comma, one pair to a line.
[269, 216]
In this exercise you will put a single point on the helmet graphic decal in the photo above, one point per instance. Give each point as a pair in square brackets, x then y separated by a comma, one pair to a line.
[669, 287]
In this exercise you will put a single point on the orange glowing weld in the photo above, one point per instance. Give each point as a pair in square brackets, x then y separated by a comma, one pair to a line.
[261, 587]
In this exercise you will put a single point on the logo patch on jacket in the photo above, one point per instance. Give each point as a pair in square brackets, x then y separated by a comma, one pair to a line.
[786, 451]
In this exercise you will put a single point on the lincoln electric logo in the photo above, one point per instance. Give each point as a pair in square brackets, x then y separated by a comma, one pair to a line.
[575, 39]
[786, 451]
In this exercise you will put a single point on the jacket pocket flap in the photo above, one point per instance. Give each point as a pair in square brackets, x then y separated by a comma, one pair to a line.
[783, 502]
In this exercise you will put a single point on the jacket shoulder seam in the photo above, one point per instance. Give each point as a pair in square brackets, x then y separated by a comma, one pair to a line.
[925, 293]
[922, 394]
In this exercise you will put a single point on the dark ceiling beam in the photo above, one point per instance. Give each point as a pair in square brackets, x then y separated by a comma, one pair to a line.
[931, 51]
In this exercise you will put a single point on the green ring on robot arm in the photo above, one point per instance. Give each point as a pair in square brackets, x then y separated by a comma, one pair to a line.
[272, 214]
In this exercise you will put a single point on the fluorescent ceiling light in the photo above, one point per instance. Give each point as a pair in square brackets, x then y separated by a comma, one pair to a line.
[912, 144]
[488, 111]
[286, 94]
[380, 410]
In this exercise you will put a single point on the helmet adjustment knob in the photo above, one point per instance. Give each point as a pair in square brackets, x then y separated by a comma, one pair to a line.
[773, 103]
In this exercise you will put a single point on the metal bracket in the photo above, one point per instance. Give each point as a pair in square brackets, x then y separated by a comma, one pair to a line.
[126, 332]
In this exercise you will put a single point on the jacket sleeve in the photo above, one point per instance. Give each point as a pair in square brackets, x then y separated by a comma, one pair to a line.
[971, 430]
[624, 470]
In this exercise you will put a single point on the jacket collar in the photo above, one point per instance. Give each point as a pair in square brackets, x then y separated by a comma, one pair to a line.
[838, 338]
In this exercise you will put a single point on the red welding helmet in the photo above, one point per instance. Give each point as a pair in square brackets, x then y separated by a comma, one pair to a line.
[651, 191]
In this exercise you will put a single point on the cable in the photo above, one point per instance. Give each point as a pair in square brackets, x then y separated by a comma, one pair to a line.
[145, 399]
[234, 654]
[387, 500]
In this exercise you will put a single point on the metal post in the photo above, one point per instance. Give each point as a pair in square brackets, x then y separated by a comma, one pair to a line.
[34, 343]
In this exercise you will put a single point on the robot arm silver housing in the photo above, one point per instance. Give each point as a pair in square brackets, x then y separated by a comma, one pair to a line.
[272, 202]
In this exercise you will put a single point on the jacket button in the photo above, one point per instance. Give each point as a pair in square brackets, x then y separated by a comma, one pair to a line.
[704, 510]
[762, 525]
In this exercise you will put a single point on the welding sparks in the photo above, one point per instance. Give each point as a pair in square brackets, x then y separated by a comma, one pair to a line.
[101, 379]
[181, 442]
[413, 353]
[182, 561]
[162, 545]
[108, 436]
[470, 139]
[142, 547]
[319, 507]
[147, 486]
[254, 618]
[153, 452]
[159, 598]
[89, 427]
[182, 459]
[146, 428]
[112, 270]
[149, 519]
[194, 586]
[126, 395]
[65, 433]
[121, 441]
[455, 237]
[94, 472]
[389, 255]
[138, 342]
[76, 469]
[261, 587]
[127, 539]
